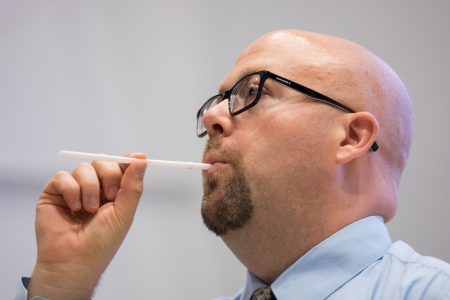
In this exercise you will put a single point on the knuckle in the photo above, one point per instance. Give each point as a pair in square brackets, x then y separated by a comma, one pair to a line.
[84, 166]
[108, 172]
[136, 189]
[112, 174]
[100, 165]
[62, 182]
[81, 168]
[90, 186]
[72, 187]
[60, 174]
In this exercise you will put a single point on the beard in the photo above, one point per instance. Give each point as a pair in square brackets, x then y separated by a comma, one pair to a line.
[226, 203]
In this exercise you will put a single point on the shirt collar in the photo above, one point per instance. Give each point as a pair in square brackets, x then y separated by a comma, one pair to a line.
[331, 263]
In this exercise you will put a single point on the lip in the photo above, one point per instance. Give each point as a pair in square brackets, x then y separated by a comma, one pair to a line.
[215, 166]
[215, 163]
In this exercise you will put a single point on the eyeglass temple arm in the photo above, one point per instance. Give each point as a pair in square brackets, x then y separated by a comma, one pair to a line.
[316, 95]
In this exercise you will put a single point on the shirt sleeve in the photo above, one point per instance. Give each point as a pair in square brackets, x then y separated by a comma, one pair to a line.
[22, 292]
[437, 288]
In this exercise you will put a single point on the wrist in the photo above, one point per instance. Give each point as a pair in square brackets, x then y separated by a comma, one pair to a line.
[69, 282]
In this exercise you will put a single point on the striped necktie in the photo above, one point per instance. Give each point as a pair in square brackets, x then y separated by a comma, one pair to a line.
[263, 293]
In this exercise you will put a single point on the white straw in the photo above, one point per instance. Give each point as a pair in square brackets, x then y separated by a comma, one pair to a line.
[129, 160]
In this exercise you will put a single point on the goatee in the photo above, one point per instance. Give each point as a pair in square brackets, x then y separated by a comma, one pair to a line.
[227, 203]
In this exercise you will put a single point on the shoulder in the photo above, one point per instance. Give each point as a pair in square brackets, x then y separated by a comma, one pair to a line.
[406, 255]
[424, 276]
[401, 273]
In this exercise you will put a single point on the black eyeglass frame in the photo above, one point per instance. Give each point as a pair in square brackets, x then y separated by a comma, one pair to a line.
[264, 75]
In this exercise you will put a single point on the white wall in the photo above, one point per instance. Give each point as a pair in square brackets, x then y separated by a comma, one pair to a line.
[114, 76]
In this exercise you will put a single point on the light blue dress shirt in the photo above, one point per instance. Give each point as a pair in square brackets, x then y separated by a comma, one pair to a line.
[359, 262]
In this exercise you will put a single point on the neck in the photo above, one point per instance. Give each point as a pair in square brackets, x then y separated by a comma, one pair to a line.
[267, 249]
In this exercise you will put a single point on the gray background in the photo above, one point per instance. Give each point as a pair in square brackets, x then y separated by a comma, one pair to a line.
[116, 76]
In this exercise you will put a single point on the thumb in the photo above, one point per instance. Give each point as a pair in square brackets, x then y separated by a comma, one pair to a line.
[131, 189]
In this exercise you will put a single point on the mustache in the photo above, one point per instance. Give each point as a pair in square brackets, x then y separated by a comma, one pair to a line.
[213, 144]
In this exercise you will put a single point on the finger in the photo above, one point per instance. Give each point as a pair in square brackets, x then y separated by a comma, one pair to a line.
[131, 188]
[63, 184]
[87, 178]
[110, 176]
[123, 167]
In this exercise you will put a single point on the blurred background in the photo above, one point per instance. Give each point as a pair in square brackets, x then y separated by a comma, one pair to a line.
[116, 76]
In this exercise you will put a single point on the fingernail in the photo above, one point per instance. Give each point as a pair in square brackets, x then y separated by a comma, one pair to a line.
[112, 192]
[92, 202]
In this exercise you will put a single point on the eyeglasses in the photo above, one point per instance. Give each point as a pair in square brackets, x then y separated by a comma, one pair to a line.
[247, 92]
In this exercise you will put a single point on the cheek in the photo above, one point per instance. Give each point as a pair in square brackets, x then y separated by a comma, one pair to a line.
[284, 153]
[286, 136]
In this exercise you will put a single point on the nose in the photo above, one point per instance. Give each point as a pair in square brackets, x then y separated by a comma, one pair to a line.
[218, 121]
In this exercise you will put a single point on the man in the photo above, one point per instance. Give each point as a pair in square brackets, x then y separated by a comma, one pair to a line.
[308, 138]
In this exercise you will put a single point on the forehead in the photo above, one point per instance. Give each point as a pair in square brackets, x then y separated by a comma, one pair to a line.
[290, 57]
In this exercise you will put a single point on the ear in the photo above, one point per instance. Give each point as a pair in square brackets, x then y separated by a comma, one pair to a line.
[361, 129]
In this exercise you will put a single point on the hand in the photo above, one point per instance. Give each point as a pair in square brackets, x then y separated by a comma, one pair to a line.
[81, 221]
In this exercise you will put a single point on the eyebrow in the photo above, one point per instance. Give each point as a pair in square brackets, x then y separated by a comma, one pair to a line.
[245, 71]
[221, 90]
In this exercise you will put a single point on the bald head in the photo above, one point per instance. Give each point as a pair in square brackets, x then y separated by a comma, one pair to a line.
[343, 71]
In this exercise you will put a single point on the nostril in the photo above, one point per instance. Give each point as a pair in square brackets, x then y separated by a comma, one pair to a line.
[218, 128]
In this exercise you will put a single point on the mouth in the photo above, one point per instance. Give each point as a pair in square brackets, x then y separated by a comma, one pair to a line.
[215, 162]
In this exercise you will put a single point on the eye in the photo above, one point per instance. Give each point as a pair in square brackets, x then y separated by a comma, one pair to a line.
[250, 93]
[245, 92]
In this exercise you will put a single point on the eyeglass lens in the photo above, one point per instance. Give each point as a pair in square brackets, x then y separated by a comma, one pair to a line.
[243, 94]
[201, 130]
